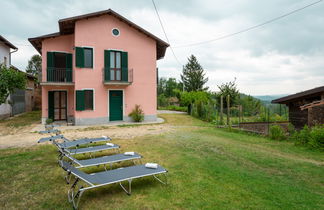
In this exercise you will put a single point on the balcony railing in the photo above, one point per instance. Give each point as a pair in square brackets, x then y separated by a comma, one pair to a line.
[120, 77]
[59, 75]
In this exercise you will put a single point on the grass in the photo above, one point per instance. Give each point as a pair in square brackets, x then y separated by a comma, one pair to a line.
[209, 168]
[22, 120]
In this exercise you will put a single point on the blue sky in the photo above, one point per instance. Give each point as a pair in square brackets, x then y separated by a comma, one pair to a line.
[283, 57]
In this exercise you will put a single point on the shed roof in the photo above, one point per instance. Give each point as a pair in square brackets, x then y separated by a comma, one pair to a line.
[67, 26]
[304, 94]
[6, 42]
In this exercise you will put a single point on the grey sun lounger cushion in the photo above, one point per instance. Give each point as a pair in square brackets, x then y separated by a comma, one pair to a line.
[113, 176]
[89, 149]
[78, 142]
[104, 160]
[50, 138]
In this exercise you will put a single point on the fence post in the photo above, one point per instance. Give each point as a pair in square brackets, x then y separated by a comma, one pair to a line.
[228, 110]
[221, 111]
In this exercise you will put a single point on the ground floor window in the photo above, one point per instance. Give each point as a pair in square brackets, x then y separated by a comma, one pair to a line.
[84, 100]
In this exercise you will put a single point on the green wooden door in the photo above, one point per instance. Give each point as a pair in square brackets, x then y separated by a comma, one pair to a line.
[51, 105]
[115, 105]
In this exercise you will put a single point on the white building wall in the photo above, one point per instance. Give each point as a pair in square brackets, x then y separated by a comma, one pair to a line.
[5, 109]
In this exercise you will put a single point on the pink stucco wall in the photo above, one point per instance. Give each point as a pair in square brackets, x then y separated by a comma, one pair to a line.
[96, 33]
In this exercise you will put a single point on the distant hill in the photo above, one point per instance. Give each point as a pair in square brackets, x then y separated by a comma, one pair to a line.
[269, 98]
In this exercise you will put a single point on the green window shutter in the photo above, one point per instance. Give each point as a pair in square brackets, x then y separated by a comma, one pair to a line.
[51, 105]
[79, 57]
[50, 59]
[124, 66]
[79, 96]
[107, 65]
[68, 67]
[50, 66]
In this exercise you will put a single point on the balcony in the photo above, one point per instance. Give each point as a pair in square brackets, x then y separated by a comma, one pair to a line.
[117, 76]
[58, 76]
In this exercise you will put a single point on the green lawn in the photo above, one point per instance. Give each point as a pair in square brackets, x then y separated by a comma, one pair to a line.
[22, 120]
[209, 168]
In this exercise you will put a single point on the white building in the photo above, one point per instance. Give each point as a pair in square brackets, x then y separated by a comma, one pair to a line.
[5, 58]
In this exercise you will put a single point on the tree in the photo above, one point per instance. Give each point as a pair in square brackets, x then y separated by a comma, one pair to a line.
[34, 66]
[193, 76]
[229, 88]
[10, 80]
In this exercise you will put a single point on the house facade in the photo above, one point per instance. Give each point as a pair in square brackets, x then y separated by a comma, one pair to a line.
[97, 68]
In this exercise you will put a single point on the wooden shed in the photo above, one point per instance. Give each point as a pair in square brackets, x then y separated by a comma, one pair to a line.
[305, 108]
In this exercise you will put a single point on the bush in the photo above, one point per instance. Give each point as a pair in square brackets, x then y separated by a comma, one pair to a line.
[49, 121]
[316, 139]
[301, 137]
[137, 114]
[277, 133]
[175, 108]
[162, 100]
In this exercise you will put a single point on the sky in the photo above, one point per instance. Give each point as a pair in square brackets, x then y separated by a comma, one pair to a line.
[283, 57]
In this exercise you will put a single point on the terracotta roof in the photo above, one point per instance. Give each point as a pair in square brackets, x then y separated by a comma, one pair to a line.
[6, 42]
[67, 25]
[307, 93]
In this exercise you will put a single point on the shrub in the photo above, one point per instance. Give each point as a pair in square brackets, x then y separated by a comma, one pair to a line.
[162, 100]
[137, 114]
[302, 137]
[316, 139]
[49, 121]
[277, 133]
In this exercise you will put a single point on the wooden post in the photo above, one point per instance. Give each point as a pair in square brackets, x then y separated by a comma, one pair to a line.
[228, 111]
[221, 111]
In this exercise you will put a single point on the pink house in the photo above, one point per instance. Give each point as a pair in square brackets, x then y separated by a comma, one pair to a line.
[97, 68]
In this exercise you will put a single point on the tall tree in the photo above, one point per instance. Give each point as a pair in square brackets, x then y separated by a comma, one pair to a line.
[34, 66]
[229, 88]
[10, 80]
[193, 76]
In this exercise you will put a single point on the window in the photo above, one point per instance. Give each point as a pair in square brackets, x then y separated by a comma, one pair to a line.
[115, 32]
[88, 99]
[5, 61]
[59, 67]
[115, 65]
[84, 57]
[84, 100]
[88, 57]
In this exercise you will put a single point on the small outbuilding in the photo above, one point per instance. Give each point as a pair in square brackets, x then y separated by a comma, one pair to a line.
[305, 108]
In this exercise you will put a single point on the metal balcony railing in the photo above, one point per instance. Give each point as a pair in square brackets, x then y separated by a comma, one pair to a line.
[59, 75]
[122, 76]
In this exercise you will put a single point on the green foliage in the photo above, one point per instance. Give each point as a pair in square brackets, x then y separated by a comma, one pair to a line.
[34, 66]
[168, 87]
[205, 110]
[317, 137]
[137, 114]
[311, 137]
[49, 121]
[229, 88]
[193, 76]
[162, 100]
[10, 80]
[276, 132]
[250, 104]
[174, 108]
[188, 98]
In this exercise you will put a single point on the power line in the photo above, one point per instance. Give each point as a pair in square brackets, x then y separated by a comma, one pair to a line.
[250, 28]
[157, 13]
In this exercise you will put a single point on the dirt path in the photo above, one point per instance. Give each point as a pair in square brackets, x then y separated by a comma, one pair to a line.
[27, 137]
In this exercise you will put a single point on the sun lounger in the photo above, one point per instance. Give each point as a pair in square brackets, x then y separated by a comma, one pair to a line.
[104, 160]
[74, 143]
[55, 131]
[103, 178]
[85, 149]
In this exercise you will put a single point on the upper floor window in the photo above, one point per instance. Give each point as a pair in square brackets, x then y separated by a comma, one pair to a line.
[84, 57]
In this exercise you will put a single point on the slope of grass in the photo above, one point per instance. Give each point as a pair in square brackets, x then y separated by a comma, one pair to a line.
[22, 120]
[208, 168]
